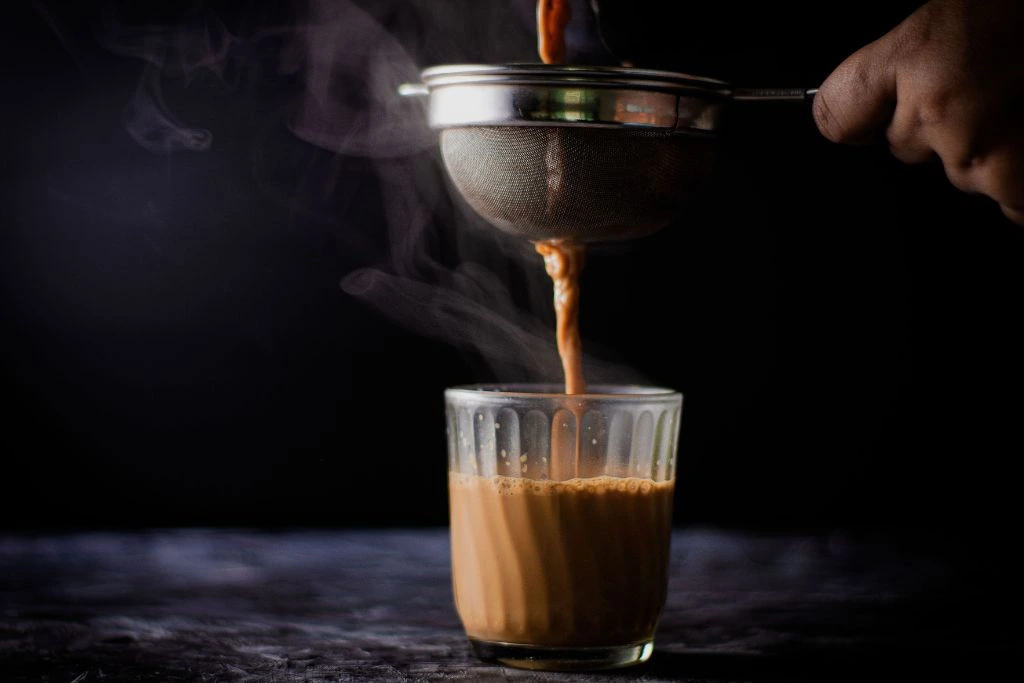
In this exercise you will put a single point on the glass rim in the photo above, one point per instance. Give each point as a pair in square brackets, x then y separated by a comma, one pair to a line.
[549, 390]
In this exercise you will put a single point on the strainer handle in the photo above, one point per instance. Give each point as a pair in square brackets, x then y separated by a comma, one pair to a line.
[774, 94]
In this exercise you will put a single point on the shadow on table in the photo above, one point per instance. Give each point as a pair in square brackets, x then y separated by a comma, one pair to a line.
[822, 665]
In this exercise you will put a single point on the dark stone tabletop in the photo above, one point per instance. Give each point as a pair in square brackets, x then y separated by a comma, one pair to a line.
[355, 605]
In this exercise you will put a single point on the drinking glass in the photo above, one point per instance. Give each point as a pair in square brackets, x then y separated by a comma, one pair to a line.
[560, 518]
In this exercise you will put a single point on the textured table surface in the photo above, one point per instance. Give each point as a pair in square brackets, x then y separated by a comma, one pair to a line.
[345, 605]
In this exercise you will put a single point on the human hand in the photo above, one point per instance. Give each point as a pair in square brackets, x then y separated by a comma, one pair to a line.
[947, 84]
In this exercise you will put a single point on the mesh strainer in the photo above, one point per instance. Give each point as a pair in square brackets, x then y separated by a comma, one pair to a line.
[584, 153]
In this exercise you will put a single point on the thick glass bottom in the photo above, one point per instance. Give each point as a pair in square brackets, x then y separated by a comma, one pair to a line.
[563, 658]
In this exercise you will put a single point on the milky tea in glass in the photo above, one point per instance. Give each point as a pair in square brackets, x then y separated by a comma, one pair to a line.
[560, 515]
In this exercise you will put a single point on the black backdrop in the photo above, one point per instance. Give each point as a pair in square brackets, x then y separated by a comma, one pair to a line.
[187, 186]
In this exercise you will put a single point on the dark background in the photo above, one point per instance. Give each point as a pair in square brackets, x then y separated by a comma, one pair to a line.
[187, 186]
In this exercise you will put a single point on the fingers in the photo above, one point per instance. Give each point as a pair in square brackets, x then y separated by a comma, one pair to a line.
[856, 102]
[917, 88]
[909, 133]
[983, 153]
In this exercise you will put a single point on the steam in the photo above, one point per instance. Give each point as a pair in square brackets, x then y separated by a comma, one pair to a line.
[151, 125]
[487, 292]
[450, 312]
[353, 68]
[200, 44]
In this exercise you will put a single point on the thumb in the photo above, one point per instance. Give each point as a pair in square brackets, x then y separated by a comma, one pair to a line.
[855, 103]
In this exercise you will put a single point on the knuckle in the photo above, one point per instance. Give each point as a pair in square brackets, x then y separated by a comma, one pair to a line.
[900, 138]
[961, 178]
[906, 142]
[995, 175]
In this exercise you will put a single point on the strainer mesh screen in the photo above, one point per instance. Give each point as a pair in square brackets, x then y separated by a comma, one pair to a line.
[587, 184]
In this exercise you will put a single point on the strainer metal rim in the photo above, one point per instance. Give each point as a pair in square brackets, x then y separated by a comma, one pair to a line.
[575, 75]
[570, 95]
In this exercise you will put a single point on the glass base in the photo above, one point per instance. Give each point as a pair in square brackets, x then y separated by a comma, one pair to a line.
[563, 658]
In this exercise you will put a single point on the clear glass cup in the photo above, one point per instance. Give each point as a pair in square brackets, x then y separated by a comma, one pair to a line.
[560, 518]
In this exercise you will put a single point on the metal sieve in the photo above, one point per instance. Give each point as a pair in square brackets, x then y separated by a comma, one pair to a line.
[584, 153]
